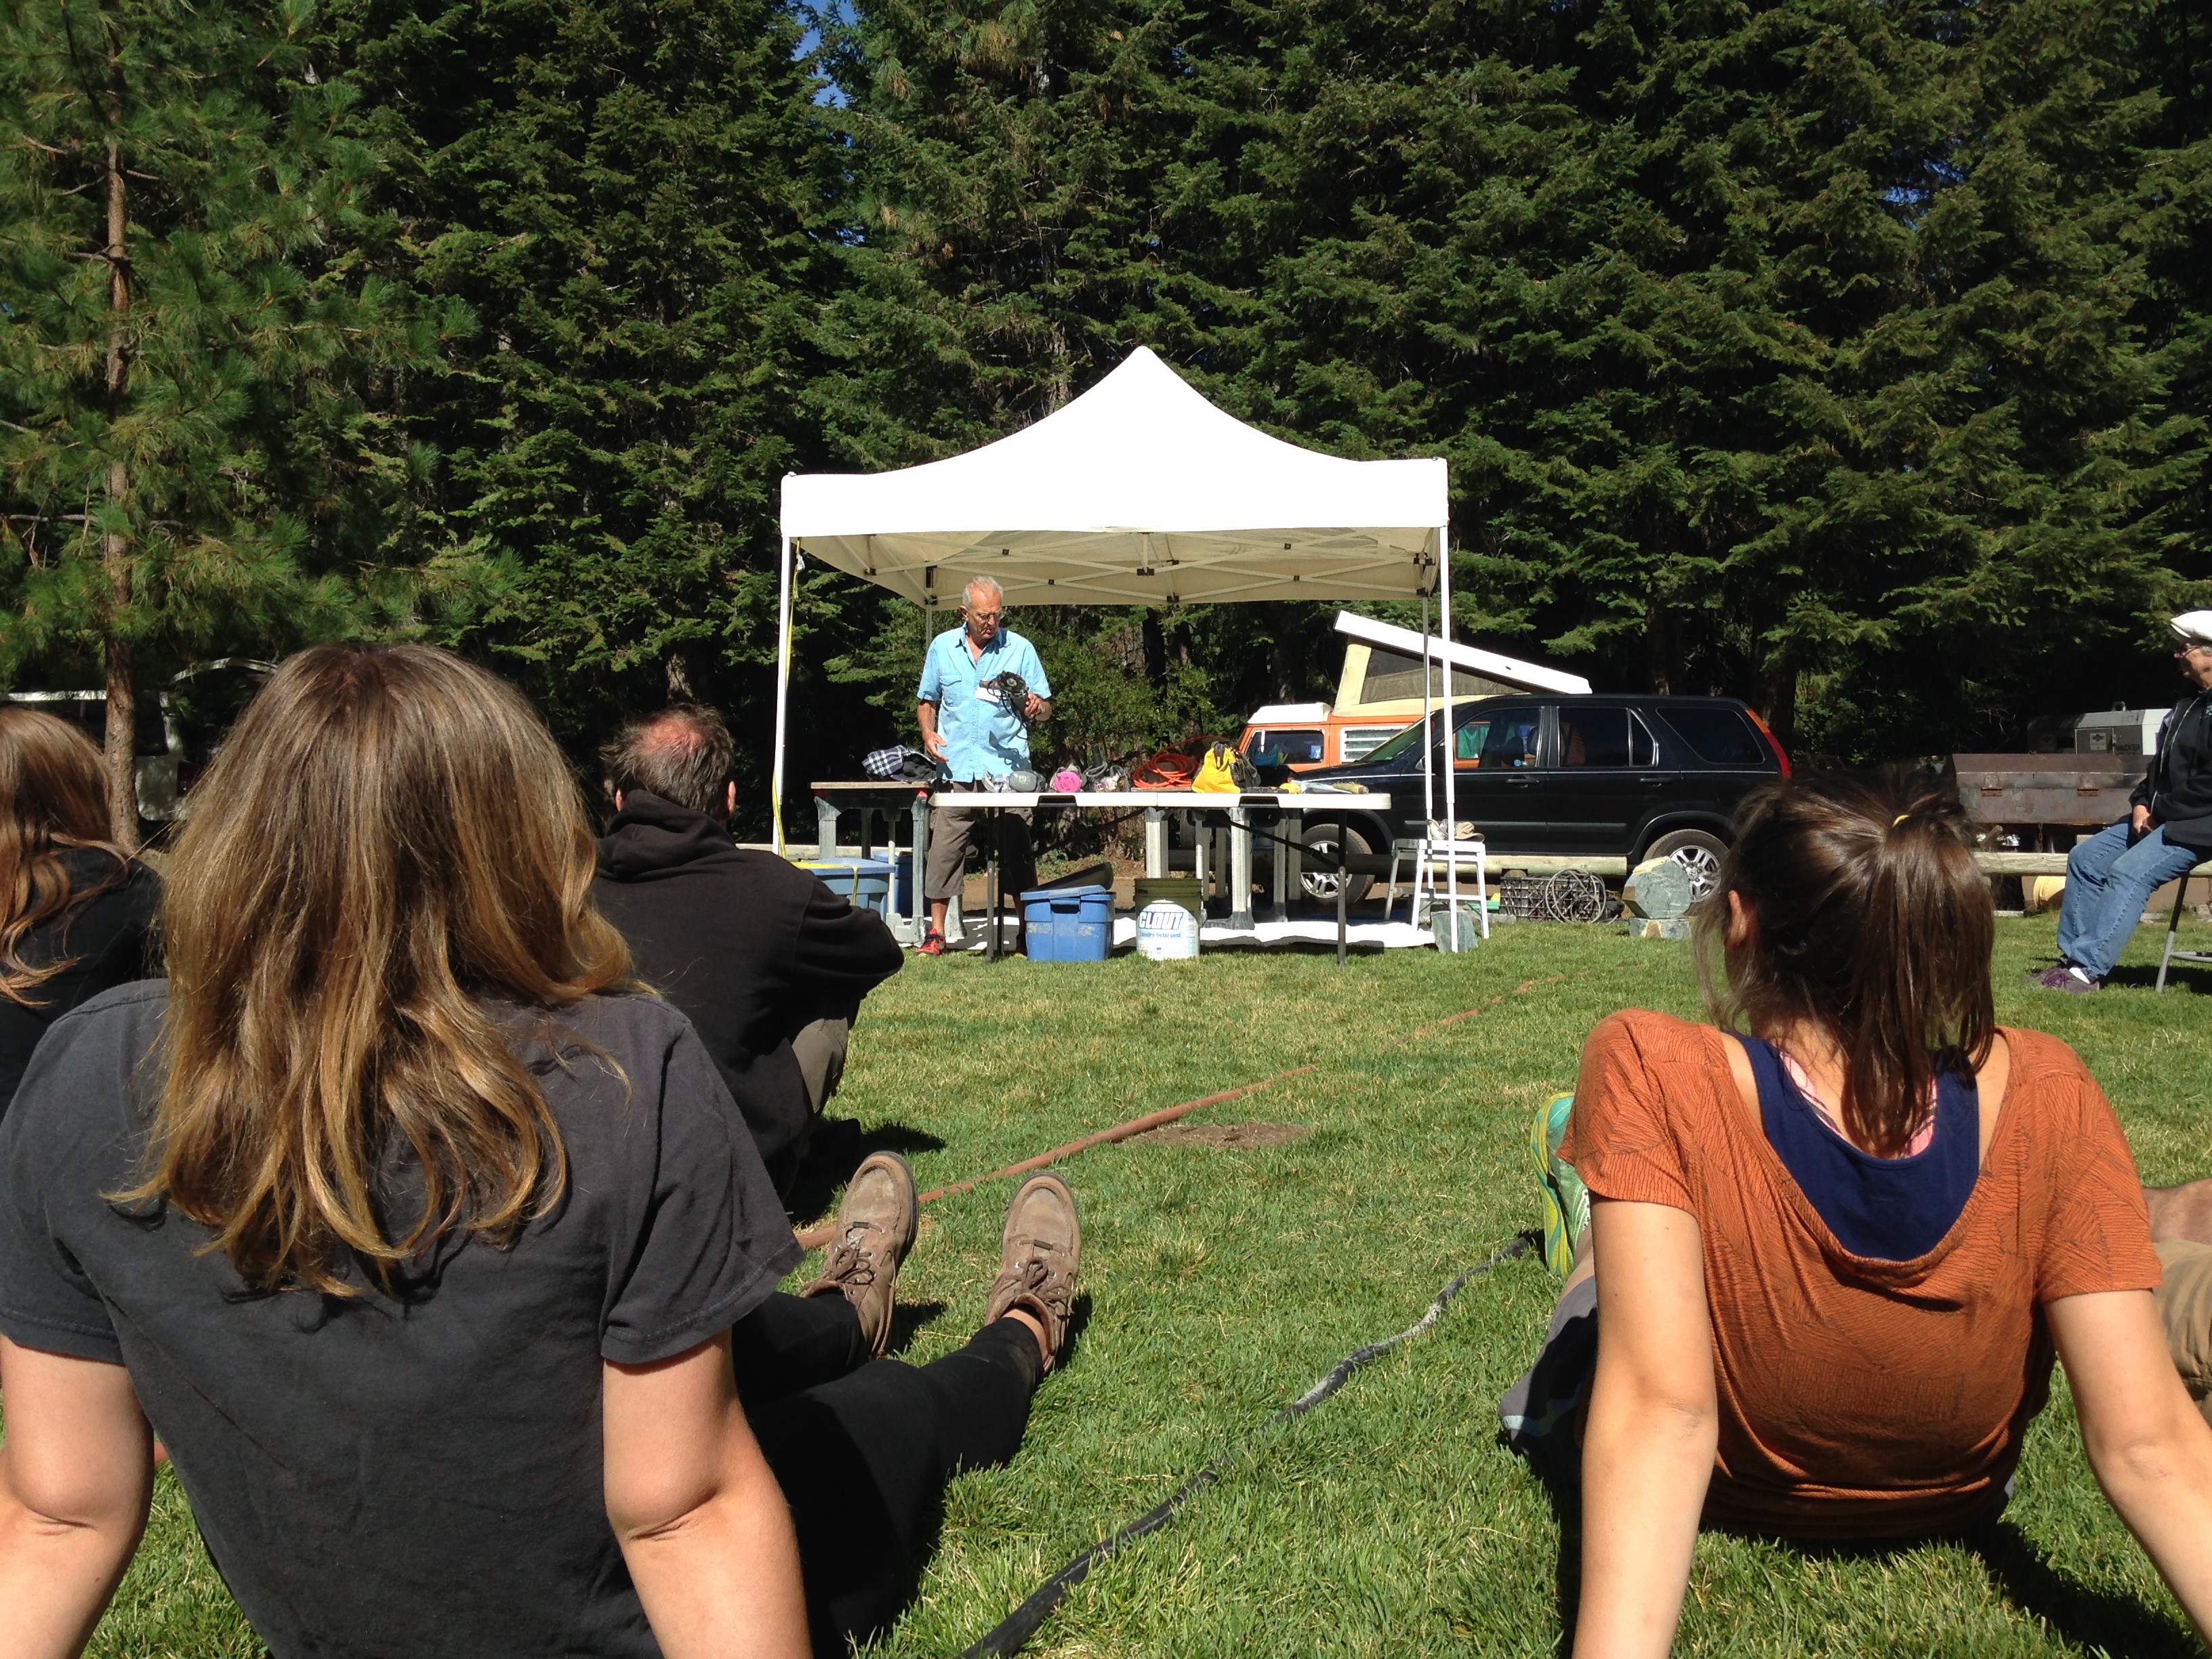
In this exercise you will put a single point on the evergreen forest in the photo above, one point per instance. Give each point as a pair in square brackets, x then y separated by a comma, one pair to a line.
[1848, 356]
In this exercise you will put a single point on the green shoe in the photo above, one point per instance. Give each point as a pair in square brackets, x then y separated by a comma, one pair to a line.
[1566, 1201]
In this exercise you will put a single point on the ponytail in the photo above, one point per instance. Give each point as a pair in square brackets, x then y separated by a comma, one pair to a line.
[1870, 922]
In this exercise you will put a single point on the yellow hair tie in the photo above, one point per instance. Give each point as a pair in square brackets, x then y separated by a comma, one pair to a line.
[1899, 819]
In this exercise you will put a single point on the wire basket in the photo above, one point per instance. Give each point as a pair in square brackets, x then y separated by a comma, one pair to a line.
[1565, 895]
[1570, 896]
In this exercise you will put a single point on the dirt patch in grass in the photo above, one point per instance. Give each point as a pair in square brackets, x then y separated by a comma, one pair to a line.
[1223, 1135]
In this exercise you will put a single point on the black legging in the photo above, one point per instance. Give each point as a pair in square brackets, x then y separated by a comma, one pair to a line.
[863, 1448]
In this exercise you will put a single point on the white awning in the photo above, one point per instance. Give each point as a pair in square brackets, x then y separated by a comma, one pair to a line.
[1138, 492]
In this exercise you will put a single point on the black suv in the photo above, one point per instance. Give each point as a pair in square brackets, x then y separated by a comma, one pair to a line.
[1623, 777]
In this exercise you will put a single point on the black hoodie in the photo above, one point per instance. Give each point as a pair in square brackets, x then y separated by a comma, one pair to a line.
[2178, 788]
[751, 948]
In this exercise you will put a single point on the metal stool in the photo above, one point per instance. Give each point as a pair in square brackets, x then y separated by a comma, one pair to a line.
[2173, 927]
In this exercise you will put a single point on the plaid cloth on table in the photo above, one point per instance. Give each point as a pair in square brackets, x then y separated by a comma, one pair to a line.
[885, 763]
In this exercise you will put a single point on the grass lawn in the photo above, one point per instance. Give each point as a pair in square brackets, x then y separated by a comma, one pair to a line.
[1223, 1282]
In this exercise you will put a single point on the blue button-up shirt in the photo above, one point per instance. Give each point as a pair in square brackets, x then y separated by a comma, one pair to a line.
[982, 738]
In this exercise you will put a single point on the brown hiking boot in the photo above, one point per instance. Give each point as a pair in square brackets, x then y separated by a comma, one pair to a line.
[875, 1230]
[1038, 1255]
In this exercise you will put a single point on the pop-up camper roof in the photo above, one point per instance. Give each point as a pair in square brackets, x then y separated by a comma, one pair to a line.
[1383, 672]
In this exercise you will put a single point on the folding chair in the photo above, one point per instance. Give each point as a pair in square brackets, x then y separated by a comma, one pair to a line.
[2172, 927]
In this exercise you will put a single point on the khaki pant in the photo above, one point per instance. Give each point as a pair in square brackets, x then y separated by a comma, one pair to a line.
[820, 1049]
[952, 830]
[2185, 1306]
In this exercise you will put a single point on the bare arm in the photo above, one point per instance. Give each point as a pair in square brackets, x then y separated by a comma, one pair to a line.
[2151, 1449]
[925, 714]
[1654, 1423]
[700, 1517]
[76, 1477]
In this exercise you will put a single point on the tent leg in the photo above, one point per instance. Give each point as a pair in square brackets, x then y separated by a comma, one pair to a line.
[783, 693]
[1451, 731]
[1428, 727]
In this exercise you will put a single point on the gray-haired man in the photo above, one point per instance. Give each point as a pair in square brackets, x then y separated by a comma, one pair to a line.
[967, 725]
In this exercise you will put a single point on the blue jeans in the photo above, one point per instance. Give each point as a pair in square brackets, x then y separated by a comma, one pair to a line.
[2108, 880]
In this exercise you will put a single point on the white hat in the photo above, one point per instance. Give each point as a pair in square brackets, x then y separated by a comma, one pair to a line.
[2193, 627]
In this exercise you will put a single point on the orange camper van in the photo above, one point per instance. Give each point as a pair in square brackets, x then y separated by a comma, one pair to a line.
[1378, 694]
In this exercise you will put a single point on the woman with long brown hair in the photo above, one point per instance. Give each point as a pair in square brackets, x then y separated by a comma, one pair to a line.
[1834, 1240]
[419, 1233]
[76, 913]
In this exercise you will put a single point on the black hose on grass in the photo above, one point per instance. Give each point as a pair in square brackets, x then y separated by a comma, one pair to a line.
[1021, 1623]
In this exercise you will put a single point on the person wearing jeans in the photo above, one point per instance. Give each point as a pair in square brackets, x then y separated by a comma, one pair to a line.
[2167, 830]
[2109, 878]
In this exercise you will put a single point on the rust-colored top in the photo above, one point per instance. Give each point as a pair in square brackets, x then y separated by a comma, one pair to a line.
[1860, 1398]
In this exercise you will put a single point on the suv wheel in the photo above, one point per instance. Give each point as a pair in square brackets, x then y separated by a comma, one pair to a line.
[1698, 854]
[1320, 843]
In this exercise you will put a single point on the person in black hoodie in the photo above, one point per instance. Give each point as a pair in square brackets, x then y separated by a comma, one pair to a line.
[770, 965]
[2167, 830]
[77, 914]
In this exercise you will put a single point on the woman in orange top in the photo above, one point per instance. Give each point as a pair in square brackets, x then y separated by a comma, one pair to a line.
[1832, 1258]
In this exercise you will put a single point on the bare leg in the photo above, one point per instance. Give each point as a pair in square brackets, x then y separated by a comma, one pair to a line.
[2183, 1212]
[937, 910]
[1037, 1330]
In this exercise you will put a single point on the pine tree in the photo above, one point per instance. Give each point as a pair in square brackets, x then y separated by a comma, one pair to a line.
[1786, 349]
[636, 199]
[188, 331]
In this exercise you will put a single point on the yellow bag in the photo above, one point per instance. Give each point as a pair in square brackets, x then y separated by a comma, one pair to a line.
[1216, 773]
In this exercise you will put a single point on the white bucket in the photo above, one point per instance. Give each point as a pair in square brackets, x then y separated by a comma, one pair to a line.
[1166, 933]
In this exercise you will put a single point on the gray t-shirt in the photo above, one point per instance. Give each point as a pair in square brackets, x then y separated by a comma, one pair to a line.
[415, 1474]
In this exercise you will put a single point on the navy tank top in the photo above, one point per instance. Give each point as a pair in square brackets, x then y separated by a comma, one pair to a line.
[1891, 1209]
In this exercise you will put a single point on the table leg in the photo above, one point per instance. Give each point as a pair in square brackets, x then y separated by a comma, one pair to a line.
[920, 918]
[1199, 836]
[1278, 832]
[825, 822]
[1240, 868]
[867, 831]
[1294, 856]
[991, 896]
[1156, 841]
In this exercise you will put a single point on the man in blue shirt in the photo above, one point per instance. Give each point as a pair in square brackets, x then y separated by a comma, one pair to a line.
[967, 725]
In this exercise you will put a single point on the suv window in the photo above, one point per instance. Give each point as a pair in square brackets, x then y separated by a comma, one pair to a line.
[1719, 735]
[1605, 737]
[1507, 739]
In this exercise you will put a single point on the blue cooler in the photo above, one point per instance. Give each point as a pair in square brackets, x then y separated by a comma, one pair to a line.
[864, 883]
[1069, 924]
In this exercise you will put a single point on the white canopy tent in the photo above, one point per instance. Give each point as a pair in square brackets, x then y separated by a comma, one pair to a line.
[1138, 492]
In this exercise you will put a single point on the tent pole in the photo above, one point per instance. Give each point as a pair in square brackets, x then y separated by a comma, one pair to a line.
[1428, 727]
[782, 694]
[1451, 735]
